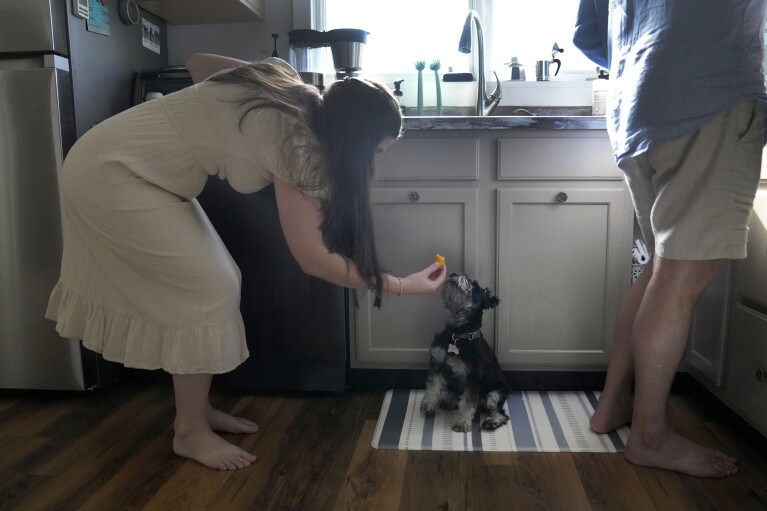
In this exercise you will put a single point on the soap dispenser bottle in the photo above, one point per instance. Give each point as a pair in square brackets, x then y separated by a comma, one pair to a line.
[398, 94]
[517, 70]
[599, 91]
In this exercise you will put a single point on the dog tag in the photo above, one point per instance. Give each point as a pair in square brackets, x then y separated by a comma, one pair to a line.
[453, 348]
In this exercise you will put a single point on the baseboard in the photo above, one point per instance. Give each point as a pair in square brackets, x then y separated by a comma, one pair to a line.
[711, 408]
[302, 377]
[384, 379]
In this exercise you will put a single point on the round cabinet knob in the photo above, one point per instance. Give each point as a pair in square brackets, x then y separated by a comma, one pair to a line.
[761, 374]
[561, 197]
[414, 197]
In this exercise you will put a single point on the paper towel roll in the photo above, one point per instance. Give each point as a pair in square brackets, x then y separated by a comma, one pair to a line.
[640, 254]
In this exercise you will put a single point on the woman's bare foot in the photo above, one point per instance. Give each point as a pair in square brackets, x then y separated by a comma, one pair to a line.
[210, 449]
[611, 413]
[225, 423]
[668, 450]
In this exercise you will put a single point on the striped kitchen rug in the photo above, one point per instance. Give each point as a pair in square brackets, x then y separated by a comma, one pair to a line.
[539, 422]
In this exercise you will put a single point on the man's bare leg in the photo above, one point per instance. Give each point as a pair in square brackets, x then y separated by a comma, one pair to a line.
[658, 342]
[614, 408]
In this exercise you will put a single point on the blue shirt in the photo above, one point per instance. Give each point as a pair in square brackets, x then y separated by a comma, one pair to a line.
[591, 31]
[675, 64]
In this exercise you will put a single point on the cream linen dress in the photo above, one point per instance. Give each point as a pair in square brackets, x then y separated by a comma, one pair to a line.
[145, 279]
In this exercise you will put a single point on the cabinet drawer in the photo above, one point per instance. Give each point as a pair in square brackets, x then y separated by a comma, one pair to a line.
[745, 386]
[556, 157]
[428, 159]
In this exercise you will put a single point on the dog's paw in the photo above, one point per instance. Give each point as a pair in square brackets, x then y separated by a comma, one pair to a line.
[494, 422]
[428, 407]
[462, 427]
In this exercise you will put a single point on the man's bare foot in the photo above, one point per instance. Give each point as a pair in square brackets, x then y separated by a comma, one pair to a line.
[225, 423]
[210, 449]
[611, 413]
[668, 450]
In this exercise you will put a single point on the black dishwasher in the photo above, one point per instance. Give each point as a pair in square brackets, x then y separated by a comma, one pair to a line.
[295, 324]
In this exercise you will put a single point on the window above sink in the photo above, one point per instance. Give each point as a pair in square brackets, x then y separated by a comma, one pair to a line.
[404, 31]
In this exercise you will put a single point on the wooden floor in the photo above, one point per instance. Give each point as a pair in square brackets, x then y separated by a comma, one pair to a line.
[110, 450]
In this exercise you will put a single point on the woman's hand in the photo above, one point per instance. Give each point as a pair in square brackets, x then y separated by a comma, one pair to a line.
[425, 281]
[301, 217]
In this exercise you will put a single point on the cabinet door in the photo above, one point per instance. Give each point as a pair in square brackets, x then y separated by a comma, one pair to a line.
[751, 277]
[563, 267]
[745, 386]
[411, 227]
[708, 332]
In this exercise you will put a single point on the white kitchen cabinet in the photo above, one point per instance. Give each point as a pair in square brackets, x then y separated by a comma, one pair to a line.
[565, 225]
[563, 268]
[745, 389]
[194, 12]
[741, 281]
[487, 201]
[751, 272]
[708, 332]
[425, 202]
[728, 342]
[412, 225]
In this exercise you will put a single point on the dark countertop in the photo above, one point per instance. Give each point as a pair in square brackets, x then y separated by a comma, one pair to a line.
[505, 122]
[508, 117]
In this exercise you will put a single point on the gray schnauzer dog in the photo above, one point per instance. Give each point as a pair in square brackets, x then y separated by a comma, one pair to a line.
[464, 373]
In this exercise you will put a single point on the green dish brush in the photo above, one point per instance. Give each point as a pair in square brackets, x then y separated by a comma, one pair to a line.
[434, 66]
[420, 65]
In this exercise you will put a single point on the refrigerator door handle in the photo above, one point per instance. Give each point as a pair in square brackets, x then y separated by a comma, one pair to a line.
[56, 62]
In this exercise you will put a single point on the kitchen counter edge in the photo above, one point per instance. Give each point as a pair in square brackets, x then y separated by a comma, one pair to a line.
[505, 123]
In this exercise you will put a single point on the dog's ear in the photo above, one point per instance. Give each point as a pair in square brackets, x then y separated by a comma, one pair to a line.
[489, 300]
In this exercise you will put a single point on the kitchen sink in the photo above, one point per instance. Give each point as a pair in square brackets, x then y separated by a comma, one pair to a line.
[509, 111]
[536, 111]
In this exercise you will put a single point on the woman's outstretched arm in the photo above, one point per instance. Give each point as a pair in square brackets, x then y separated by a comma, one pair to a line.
[301, 217]
[204, 65]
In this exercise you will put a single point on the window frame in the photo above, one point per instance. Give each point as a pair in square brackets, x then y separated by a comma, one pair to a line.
[571, 88]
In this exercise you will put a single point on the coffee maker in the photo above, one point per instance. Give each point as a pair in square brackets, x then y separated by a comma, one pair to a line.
[308, 53]
[347, 46]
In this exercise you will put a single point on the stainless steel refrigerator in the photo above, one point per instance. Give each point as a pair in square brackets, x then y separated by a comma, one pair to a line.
[37, 128]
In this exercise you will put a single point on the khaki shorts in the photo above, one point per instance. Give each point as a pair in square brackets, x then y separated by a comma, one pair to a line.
[693, 196]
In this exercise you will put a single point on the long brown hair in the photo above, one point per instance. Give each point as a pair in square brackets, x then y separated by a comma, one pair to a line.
[349, 121]
[356, 115]
[274, 84]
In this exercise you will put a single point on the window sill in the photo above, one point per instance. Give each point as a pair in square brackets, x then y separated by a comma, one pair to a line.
[552, 93]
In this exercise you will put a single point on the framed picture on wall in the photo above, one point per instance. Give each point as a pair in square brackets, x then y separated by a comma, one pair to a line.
[150, 37]
[98, 18]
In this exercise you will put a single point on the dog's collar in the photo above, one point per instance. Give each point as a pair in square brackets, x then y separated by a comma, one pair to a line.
[453, 346]
[468, 335]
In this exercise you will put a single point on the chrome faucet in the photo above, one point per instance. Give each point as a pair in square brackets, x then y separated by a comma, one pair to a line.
[485, 105]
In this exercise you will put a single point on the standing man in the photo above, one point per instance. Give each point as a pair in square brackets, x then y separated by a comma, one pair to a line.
[687, 128]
